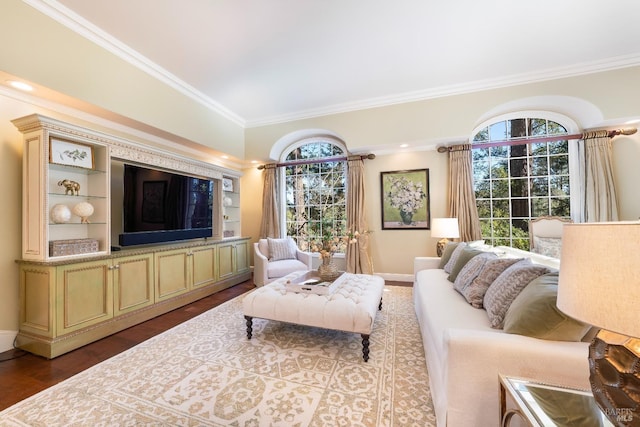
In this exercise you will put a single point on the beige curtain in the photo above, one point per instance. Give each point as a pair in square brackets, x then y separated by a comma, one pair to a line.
[358, 257]
[270, 225]
[600, 199]
[462, 199]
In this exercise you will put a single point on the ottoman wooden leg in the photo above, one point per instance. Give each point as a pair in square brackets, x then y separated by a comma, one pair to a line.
[249, 326]
[365, 347]
[380, 305]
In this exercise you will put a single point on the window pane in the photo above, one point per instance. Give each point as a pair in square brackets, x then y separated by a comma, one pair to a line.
[498, 131]
[560, 207]
[484, 208]
[539, 207]
[500, 188]
[559, 165]
[539, 187]
[520, 208]
[538, 127]
[500, 208]
[520, 187]
[539, 166]
[499, 169]
[559, 186]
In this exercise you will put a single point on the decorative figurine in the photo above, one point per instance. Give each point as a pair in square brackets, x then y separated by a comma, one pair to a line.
[70, 187]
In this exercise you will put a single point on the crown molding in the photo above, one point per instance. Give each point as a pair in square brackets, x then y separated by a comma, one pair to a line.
[73, 21]
[603, 65]
[76, 23]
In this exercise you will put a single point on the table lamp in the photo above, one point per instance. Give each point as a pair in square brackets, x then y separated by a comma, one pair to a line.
[446, 228]
[600, 285]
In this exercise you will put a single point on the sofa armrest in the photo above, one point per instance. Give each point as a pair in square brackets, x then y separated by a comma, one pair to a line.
[474, 359]
[304, 257]
[425, 263]
[260, 263]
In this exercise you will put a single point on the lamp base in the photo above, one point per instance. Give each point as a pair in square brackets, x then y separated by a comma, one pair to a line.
[440, 246]
[614, 364]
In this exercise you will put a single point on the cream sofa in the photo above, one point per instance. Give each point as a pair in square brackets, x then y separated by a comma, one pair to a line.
[465, 355]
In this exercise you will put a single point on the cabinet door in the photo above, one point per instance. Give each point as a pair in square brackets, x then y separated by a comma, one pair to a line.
[226, 260]
[203, 270]
[132, 283]
[37, 296]
[172, 273]
[242, 256]
[84, 295]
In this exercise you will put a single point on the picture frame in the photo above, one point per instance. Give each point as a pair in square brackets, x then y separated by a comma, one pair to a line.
[227, 184]
[68, 153]
[405, 200]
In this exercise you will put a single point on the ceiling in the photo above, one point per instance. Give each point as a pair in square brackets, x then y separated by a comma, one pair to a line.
[269, 61]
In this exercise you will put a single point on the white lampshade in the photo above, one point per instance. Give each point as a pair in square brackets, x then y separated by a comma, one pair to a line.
[600, 275]
[445, 227]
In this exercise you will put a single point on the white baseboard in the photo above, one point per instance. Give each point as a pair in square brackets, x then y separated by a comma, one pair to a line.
[396, 277]
[6, 340]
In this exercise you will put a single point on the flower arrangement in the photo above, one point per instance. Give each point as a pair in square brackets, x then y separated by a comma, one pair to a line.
[406, 195]
[332, 243]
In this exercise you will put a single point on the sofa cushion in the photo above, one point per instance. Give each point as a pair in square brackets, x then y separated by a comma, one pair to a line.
[280, 249]
[534, 313]
[465, 256]
[506, 288]
[471, 270]
[474, 292]
[446, 254]
[548, 246]
[283, 267]
[454, 257]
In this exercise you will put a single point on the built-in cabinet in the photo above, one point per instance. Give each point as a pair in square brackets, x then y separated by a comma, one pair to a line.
[73, 288]
[68, 304]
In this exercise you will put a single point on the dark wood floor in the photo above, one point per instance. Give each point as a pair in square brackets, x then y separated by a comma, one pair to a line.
[23, 374]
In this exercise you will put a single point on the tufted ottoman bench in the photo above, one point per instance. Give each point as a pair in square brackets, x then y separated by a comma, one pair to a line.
[351, 307]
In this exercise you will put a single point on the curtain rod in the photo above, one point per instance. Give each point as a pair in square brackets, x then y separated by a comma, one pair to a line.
[612, 133]
[321, 160]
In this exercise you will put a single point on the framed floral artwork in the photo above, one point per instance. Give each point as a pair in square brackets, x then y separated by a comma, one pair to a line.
[405, 199]
[71, 153]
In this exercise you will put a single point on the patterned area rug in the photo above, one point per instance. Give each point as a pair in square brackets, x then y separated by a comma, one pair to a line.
[205, 372]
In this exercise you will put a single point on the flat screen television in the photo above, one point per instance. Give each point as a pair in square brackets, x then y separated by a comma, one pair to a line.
[160, 206]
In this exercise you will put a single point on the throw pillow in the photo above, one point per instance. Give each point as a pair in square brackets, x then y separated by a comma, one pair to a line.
[534, 313]
[506, 288]
[446, 254]
[474, 292]
[454, 257]
[549, 246]
[471, 270]
[281, 249]
[466, 254]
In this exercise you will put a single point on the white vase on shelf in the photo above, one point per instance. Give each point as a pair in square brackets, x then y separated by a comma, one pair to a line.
[84, 210]
[60, 214]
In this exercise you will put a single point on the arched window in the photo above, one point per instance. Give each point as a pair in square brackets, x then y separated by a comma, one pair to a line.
[315, 193]
[514, 184]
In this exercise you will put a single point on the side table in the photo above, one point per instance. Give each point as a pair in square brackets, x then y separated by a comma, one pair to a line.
[544, 405]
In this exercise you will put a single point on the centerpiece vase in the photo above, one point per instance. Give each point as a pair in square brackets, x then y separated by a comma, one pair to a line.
[407, 217]
[328, 271]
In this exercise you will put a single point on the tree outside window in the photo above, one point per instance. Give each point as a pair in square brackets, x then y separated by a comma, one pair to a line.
[315, 194]
[514, 184]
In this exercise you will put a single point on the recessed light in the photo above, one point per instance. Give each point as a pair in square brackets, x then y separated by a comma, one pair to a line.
[224, 156]
[404, 145]
[20, 85]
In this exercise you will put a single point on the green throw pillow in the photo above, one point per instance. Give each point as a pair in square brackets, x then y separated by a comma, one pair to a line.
[446, 255]
[534, 313]
[466, 254]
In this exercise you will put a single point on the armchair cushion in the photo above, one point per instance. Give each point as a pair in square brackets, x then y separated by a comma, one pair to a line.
[283, 267]
[280, 249]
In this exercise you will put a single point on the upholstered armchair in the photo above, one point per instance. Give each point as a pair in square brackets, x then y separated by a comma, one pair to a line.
[545, 235]
[274, 258]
